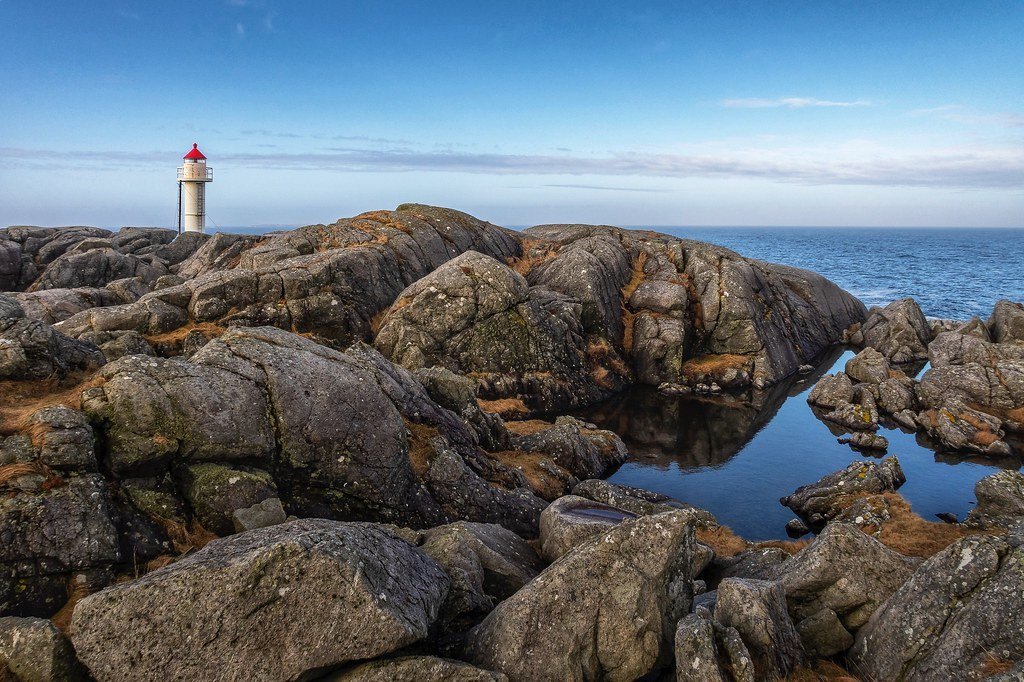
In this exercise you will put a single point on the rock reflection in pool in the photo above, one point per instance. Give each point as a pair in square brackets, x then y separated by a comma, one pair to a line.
[736, 458]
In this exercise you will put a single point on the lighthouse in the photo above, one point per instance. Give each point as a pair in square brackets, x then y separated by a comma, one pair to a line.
[192, 178]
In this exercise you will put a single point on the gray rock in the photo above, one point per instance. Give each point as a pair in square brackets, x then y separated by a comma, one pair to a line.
[269, 512]
[30, 349]
[899, 331]
[832, 391]
[796, 528]
[606, 610]
[33, 650]
[954, 348]
[868, 366]
[637, 500]
[577, 447]
[843, 571]
[863, 440]
[896, 395]
[243, 603]
[126, 343]
[999, 385]
[959, 427]
[696, 652]
[570, 520]
[758, 564]
[959, 612]
[48, 536]
[1000, 500]
[816, 503]
[860, 415]
[1007, 322]
[215, 492]
[757, 609]
[823, 634]
[415, 669]
[96, 267]
[64, 438]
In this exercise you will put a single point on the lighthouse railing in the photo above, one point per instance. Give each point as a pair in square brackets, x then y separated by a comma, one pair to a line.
[194, 174]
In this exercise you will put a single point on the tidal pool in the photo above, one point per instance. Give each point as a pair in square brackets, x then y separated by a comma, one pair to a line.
[737, 458]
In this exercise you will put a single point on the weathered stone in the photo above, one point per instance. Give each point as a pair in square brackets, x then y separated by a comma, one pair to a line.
[96, 268]
[1007, 322]
[1000, 500]
[832, 391]
[844, 571]
[570, 520]
[64, 438]
[30, 349]
[243, 603]
[637, 500]
[860, 415]
[577, 447]
[960, 427]
[823, 634]
[606, 610]
[868, 366]
[757, 564]
[215, 492]
[415, 669]
[696, 652]
[955, 616]
[33, 650]
[899, 331]
[817, 503]
[757, 609]
[862, 440]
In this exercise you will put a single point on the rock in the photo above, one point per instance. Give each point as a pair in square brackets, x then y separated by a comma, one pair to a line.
[215, 492]
[823, 634]
[863, 440]
[33, 650]
[126, 343]
[476, 315]
[959, 427]
[757, 609]
[95, 268]
[896, 395]
[843, 571]
[30, 349]
[703, 555]
[832, 391]
[868, 366]
[860, 415]
[1000, 500]
[953, 618]
[242, 603]
[486, 564]
[757, 564]
[48, 536]
[606, 610]
[796, 528]
[954, 348]
[415, 669]
[1007, 322]
[64, 438]
[637, 500]
[458, 393]
[570, 520]
[999, 385]
[947, 517]
[269, 512]
[696, 652]
[740, 663]
[817, 502]
[581, 449]
[899, 331]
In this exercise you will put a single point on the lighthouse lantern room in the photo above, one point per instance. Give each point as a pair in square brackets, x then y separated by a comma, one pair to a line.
[192, 179]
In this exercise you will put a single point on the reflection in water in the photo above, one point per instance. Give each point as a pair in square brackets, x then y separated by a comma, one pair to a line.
[736, 456]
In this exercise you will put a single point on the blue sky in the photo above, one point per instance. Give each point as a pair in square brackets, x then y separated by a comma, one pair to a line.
[674, 113]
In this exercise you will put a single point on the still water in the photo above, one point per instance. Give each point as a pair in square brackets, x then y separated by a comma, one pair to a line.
[737, 459]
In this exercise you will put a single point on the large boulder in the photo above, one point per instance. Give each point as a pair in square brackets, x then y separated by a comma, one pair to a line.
[757, 609]
[832, 391]
[33, 650]
[50, 533]
[96, 268]
[31, 349]
[1000, 500]
[844, 576]
[820, 502]
[868, 366]
[899, 331]
[955, 348]
[959, 614]
[243, 603]
[476, 315]
[570, 520]
[1006, 323]
[607, 610]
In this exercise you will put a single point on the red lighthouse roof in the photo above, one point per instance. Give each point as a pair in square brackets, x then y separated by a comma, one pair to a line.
[194, 154]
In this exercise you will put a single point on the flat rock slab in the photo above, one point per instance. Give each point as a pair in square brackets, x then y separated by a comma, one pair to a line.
[277, 602]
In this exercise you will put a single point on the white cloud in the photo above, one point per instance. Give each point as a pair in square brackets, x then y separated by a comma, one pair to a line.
[789, 103]
[240, 30]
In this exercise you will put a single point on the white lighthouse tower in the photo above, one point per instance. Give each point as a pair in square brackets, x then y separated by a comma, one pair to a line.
[192, 179]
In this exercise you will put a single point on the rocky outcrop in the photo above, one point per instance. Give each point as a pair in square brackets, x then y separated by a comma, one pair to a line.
[899, 331]
[820, 502]
[477, 316]
[757, 610]
[1006, 324]
[606, 610]
[1000, 500]
[570, 521]
[31, 349]
[242, 603]
[956, 617]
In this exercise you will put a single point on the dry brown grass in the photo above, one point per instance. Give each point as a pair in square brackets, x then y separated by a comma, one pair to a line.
[994, 665]
[722, 539]
[628, 321]
[186, 538]
[713, 364]
[604, 363]
[534, 253]
[822, 671]
[507, 408]
[10, 472]
[637, 278]
[421, 447]
[909, 534]
[20, 399]
[77, 590]
[528, 427]
[546, 484]
[177, 336]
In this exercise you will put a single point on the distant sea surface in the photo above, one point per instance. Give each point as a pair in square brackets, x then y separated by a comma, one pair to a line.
[952, 273]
